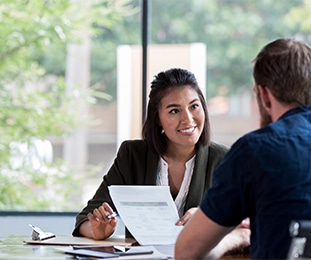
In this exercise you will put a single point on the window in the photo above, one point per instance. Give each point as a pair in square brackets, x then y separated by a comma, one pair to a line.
[46, 88]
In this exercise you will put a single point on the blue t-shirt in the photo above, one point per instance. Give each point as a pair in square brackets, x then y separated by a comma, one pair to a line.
[266, 176]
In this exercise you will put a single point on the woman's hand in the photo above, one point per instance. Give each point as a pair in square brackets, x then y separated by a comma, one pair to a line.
[234, 242]
[237, 240]
[101, 226]
[183, 220]
[244, 224]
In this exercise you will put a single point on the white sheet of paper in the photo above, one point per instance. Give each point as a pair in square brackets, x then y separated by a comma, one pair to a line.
[148, 212]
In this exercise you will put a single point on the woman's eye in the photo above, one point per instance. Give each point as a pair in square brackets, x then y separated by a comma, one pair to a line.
[173, 111]
[194, 106]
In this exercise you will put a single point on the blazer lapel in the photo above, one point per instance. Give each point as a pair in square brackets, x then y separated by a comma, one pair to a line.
[197, 185]
[151, 167]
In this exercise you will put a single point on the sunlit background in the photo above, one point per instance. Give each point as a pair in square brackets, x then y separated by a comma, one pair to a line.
[71, 82]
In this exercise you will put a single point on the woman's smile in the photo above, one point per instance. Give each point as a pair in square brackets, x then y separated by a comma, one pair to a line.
[187, 131]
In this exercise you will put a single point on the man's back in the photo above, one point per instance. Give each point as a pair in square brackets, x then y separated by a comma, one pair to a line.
[266, 175]
[272, 186]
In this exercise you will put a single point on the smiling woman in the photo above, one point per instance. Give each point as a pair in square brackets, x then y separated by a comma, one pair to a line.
[176, 151]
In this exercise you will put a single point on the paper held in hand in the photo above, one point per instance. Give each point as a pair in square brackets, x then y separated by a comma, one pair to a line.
[148, 212]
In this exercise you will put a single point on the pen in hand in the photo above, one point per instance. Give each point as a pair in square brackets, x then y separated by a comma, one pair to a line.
[112, 215]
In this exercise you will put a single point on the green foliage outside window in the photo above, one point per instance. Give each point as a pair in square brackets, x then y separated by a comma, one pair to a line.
[34, 104]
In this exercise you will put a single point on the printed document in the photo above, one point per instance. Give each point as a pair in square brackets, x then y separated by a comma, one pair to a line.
[148, 212]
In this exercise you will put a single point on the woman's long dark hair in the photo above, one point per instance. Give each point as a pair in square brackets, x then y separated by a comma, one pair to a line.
[163, 83]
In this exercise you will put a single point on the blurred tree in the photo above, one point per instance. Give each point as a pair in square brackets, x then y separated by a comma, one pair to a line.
[117, 28]
[233, 31]
[33, 102]
[299, 19]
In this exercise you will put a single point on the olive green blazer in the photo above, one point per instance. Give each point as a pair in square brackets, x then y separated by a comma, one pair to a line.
[136, 164]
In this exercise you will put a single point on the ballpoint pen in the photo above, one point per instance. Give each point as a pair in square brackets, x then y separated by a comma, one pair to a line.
[112, 215]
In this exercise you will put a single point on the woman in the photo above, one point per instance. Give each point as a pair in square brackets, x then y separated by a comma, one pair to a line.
[176, 150]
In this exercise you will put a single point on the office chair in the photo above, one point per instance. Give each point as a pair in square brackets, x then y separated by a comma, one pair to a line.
[300, 247]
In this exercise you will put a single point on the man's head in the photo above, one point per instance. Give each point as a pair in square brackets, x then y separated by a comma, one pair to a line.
[284, 67]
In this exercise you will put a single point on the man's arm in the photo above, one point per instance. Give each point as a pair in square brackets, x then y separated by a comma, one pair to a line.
[199, 236]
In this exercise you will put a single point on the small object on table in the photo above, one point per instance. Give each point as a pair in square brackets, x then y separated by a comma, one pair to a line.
[38, 234]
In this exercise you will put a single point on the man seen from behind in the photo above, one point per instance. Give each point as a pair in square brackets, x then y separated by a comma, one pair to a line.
[266, 175]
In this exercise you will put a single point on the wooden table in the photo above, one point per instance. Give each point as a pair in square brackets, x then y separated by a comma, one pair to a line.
[14, 247]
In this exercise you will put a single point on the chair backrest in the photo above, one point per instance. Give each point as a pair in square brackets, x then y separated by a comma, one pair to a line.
[300, 247]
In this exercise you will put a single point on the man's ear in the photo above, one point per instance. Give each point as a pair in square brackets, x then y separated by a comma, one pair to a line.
[265, 97]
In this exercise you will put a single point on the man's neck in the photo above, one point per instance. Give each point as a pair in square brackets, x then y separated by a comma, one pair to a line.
[278, 109]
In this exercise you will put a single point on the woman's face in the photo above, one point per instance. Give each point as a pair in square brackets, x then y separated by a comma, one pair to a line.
[182, 116]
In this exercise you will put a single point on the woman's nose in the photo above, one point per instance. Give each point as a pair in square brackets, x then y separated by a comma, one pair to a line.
[186, 116]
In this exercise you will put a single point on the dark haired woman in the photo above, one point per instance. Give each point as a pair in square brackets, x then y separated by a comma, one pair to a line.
[175, 150]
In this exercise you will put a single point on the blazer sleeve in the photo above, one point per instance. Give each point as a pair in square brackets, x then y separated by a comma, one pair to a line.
[128, 168]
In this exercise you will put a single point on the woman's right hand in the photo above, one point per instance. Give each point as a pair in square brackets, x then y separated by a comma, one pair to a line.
[101, 226]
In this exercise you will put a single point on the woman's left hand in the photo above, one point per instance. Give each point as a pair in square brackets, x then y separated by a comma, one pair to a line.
[183, 220]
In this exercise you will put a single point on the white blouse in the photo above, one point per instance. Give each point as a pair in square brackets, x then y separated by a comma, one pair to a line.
[162, 180]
